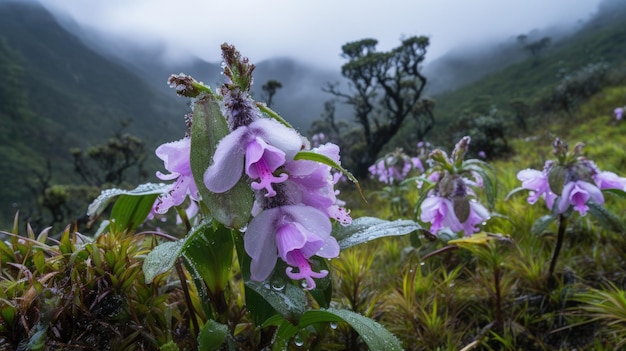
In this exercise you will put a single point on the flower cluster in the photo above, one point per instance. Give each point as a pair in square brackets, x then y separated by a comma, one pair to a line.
[451, 202]
[395, 167]
[295, 199]
[569, 181]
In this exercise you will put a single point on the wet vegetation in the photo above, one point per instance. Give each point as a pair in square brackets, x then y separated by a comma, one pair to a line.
[502, 290]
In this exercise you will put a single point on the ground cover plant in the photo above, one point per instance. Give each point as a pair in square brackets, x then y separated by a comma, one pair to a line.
[248, 244]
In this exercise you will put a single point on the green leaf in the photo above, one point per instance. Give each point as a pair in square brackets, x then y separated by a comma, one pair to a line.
[209, 250]
[606, 218]
[231, 208]
[366, 229]
[288, 300]
[542, 224]
[373, 334]
[617, 192]
[161, 259]
[108, 195]
[212, 336]
[130, 211]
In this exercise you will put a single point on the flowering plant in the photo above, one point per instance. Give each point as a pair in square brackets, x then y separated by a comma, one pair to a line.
[448, 198]
[257, 190]
[570, 183]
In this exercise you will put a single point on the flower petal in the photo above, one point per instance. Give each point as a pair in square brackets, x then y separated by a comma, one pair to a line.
[227, 166]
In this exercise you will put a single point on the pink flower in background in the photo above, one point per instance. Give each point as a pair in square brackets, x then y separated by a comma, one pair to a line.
[262, 146]
[293, 233]
[176, 159]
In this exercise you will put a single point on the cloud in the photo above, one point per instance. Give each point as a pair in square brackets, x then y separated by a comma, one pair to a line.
[314, 31]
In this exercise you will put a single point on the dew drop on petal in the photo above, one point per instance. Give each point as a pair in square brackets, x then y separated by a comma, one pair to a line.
[333, 325]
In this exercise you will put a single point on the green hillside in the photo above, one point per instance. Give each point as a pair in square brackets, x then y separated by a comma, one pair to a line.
[57, 94]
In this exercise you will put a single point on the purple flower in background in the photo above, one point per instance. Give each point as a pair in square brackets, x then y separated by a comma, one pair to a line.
[609, 180]
[262, 146]
[537, 182]
[579, 180]
[439, 212]
[294, 233]
[175, 156]
[578, 193]
[618, 113]
[477, 215]
[395, 167]
[482, 154]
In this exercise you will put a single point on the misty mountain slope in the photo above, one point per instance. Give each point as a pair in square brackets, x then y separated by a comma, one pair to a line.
[62, 95]
[599, 41]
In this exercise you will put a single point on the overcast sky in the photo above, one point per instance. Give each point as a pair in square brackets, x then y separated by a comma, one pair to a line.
[314, 31]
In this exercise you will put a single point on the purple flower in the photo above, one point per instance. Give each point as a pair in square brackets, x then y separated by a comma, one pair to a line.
[578, 193]
[294, 233]
[618, 113]
[175, 156]
[477, 215]
[440, 213]
[537, 182]
[262, 146]
[314, 183]
[609, 180]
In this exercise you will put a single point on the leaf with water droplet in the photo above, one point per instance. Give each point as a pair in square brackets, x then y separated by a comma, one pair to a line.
[106, 196]
[373, 334]
[161, 259]
[212, 336]
[289, 302]
[366, 229]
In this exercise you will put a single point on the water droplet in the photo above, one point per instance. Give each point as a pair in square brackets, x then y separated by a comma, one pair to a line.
[304, 284]
[333, 325]
[422, 263]
[278, 286]
[298, 340]
[266, 286]
[243, 229]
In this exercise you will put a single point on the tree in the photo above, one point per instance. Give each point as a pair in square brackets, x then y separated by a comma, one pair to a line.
[109, 163]
[386, 87]
[270, 88]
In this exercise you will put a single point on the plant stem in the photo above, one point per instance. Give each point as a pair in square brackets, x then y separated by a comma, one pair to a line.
[557, 248]
[496, 278]
[183, 283]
